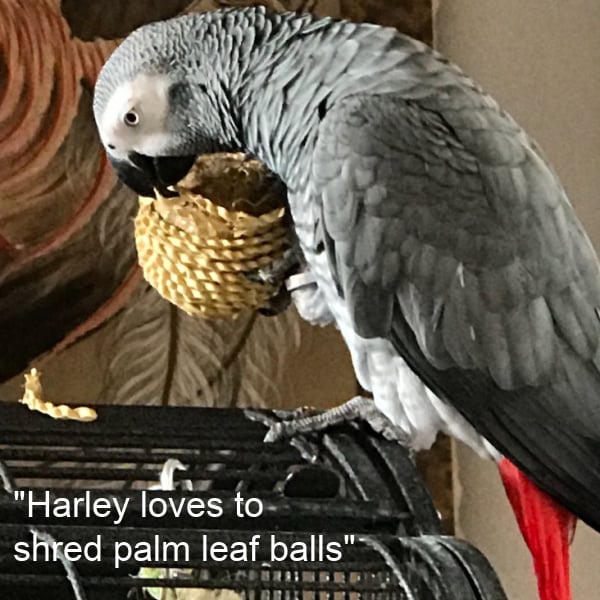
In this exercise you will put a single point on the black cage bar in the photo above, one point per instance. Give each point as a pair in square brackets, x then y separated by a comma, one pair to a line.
[345, 481]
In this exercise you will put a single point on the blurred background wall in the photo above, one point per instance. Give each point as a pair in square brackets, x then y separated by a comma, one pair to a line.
[72, 300]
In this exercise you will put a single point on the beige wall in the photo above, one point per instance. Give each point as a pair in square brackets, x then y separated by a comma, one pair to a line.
[541, 60]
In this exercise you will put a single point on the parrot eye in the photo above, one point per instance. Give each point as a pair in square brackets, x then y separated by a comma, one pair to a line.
[131, 118]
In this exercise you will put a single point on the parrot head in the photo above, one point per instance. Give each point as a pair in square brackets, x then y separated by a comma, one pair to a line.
[155, 113]
[142, 136]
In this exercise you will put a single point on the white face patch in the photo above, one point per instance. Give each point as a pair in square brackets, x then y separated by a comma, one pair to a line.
[147, 95]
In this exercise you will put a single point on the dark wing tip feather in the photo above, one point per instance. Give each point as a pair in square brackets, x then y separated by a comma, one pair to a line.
[521, 424]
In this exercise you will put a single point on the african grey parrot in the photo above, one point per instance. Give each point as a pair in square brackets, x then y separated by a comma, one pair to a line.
[441, 241]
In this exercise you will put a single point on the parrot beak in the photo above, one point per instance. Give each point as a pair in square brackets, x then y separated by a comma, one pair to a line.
[143, 174]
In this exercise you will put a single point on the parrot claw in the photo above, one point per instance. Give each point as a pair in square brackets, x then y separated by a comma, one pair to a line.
[278, 271]
[275, 274]
[308, 450]
[296, 413]
[306, 420]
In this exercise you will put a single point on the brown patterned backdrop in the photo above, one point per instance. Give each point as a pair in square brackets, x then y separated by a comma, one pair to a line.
[68, 271]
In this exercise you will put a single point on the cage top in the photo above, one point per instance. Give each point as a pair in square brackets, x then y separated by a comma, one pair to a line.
[345, 477]
[314, 490]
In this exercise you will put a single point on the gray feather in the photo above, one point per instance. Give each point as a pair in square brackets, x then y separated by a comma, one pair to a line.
[446, 232]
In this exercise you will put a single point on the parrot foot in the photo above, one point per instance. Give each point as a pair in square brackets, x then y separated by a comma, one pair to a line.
[276, 272]
[307, 420]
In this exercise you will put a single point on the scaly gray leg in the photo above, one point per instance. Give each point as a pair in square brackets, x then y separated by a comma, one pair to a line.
[356, 409]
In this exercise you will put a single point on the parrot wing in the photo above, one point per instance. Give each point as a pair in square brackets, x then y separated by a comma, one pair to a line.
[449, 235]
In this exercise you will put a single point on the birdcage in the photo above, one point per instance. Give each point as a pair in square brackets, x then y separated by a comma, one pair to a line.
[345, 486]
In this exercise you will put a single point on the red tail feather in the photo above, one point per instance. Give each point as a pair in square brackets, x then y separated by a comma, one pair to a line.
[547, 528]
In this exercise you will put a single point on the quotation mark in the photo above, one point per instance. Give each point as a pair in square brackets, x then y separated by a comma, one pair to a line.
[348, 539]
[19, 495]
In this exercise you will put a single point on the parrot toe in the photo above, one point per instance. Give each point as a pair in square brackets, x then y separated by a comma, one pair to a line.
[288, 424]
